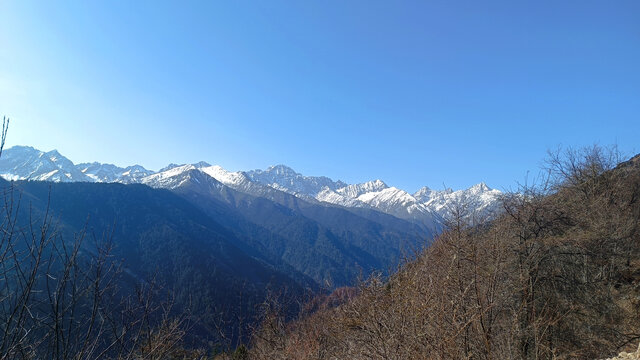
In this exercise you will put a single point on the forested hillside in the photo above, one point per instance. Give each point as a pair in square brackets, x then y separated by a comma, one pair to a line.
[203, 253]
[330, 244]
[157, 237]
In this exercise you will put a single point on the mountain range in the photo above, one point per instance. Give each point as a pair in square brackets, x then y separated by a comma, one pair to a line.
[426, 207]
[223, 241]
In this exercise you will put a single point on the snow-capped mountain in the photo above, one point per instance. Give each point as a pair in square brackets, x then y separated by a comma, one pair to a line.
[425, 194]
[355, 190]
[477, 202]
[236, 180]
[240, 181]
[425, 207]
[27, 163]
[177, 176]
[377, 195]
[111, 173]
[170, 178]
[284, 178]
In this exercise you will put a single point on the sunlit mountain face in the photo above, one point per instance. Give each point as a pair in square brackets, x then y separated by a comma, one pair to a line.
[426, 207]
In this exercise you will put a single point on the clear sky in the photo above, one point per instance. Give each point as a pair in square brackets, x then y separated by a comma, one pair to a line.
[414, 93]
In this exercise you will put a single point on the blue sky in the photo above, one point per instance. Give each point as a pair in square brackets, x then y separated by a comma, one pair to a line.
[414, 93]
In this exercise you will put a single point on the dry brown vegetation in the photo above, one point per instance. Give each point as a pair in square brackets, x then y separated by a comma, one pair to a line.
[557, 276]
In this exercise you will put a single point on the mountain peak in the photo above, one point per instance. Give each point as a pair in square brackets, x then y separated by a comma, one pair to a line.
[53, 152]
[201, 164]
[480, 188]
[284, 178]
[23, 147]
[424, 194]
[28, 163]
[225, 176]
[54, 155]
[169, 167]
[379, 184]
[355, 190]
[373, 185]
[171, 178]
[282, 170]
[136, 167]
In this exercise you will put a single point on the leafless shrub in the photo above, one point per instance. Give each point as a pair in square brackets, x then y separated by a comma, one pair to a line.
[556, 277]
[62, 298]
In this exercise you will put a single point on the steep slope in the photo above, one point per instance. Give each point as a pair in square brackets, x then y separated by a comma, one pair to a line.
[426, 207]
[27, 163]
[243, 182]
[325, 243]
[239, 181]
[170, 178]
[197, 187]
[286, 179]
[159, 234]
[298, 235]
[557, 276]
[356, 190]
[110, 173]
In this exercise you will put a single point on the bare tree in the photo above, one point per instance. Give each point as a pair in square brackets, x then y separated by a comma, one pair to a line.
[62, 298]
[554, 277]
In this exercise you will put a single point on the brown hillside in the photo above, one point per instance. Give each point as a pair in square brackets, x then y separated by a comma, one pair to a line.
[556, 277]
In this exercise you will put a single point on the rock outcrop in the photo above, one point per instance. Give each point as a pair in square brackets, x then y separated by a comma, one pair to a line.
[627, 356]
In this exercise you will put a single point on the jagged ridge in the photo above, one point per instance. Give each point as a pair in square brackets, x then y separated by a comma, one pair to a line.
[426, 207]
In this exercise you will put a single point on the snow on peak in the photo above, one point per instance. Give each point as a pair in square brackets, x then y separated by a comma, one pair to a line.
[425, 193]
[286, 179]
[330, 196]
[27, 163]
[171, 178]
[425, 205]
[226, 177]
[176, 170]
[353, 191]
[169, 167]
[281, 170]
[480, 188]
[478, 202]
[387, 196]
[111, 173]
[201, 164]
[54, 155]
